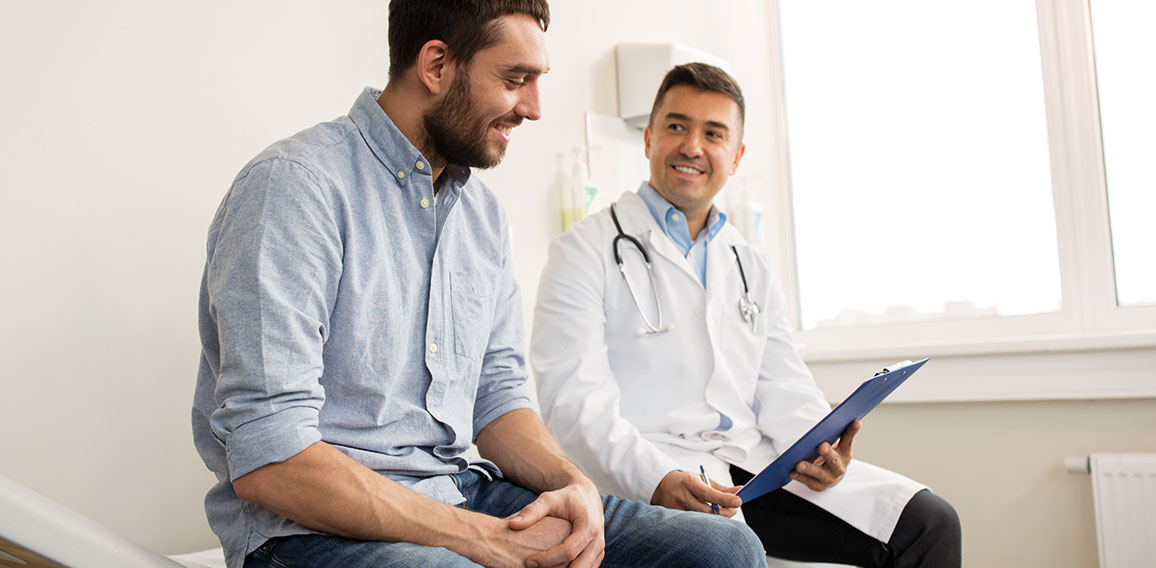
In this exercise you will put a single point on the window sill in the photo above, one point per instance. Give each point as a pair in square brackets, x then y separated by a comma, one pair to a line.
[1060, 367]
[1113, 341]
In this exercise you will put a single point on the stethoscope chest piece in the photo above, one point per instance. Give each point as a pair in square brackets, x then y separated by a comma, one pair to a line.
[749, 309]
[747, 305]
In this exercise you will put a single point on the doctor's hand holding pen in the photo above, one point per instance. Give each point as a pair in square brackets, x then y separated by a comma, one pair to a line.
[687, 491]
[827, 470]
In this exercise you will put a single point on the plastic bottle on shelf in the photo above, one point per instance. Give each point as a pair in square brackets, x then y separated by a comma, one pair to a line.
[578, 190]
[748, 216]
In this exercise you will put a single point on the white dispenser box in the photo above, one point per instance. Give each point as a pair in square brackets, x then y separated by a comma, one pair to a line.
[641, 67]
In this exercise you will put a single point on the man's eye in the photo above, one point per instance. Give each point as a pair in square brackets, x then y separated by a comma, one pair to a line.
[515, 83]
[675, 127]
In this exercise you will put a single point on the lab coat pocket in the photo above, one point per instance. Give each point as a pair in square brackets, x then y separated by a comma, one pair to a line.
[742, 329]
[473, 310]
[744, 347]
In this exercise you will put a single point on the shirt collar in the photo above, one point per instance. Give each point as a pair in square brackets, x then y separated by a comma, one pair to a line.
[391, 147]
[671, 220]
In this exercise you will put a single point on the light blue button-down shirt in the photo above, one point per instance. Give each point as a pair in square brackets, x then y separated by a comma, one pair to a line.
[673, 224]
[341, 303]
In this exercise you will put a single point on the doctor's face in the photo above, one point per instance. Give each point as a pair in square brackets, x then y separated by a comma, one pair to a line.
[694, 143]
[493, 93]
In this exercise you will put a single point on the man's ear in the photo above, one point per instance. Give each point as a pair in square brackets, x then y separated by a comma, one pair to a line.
[646, 141]
[434, 66]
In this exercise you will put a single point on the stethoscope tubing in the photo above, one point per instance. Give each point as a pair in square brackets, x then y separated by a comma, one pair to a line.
[742, 273]
[747, 305]
[650, 327]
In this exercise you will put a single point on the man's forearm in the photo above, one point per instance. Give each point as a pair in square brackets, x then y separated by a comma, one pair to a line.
[521, 446]
[328, 491]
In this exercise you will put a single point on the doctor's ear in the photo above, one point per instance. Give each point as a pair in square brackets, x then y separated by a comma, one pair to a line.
[738, 157]
[434, 66]
[646, 141]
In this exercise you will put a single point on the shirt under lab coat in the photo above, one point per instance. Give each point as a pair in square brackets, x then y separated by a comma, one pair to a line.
[629, 407]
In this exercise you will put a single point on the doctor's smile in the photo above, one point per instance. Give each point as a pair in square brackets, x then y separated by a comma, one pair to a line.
[694, 171]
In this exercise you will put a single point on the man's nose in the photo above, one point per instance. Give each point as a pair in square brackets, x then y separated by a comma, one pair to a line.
[530, 103]
[691, 146]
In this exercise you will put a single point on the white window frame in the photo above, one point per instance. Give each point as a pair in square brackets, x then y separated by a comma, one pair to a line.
[1012, 357]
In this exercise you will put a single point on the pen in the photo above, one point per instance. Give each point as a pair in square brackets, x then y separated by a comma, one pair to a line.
[706, 480]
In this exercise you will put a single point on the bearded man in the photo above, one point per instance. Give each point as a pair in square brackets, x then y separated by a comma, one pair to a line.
[361, 327]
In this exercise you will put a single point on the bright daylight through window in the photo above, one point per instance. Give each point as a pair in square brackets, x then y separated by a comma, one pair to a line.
[1127, 91]
[919, 161]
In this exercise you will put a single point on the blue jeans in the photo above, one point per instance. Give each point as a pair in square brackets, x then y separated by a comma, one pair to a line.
[636, 535]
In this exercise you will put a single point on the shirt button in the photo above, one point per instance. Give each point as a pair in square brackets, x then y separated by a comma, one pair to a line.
[674, 217]
[420, 165]
[400, 175]
[424, 203]
[433, 347]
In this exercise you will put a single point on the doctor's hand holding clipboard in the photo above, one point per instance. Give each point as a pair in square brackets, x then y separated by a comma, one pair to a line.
[824, 466]
[828, 469]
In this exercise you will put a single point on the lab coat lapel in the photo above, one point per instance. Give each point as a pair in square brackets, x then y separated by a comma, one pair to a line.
[637, 221]
[667, 251]
[720, 262]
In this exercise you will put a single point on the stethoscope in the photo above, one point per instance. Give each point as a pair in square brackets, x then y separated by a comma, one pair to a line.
[747, 306]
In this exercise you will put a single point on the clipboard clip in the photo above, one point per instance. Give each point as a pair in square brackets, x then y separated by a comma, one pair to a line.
[894, 367]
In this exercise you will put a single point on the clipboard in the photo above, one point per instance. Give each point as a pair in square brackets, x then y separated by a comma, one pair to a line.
[854, 407]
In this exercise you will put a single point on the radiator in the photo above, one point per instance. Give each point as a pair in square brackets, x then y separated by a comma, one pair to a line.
[1124, 490]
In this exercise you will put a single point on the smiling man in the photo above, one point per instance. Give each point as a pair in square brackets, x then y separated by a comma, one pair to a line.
[694, 145]
[361, 327]
[661, 346]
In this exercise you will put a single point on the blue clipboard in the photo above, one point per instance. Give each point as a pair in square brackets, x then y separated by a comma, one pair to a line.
[855, 407]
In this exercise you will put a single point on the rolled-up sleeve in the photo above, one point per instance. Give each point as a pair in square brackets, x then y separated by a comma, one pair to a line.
[271, 282]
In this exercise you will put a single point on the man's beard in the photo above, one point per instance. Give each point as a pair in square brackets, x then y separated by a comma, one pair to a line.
[456, 131]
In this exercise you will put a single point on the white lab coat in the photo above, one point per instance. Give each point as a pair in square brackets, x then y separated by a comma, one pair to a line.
[630, 407]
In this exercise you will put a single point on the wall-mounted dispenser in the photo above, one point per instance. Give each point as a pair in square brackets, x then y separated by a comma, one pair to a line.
[641, 67]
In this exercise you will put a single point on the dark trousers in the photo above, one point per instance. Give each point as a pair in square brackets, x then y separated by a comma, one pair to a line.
[927, 535]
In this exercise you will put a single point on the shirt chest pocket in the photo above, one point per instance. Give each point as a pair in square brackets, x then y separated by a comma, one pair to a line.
[472, 308]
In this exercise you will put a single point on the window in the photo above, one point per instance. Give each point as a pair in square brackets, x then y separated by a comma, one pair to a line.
[1124, 48]
[919, 161]
[950, 168]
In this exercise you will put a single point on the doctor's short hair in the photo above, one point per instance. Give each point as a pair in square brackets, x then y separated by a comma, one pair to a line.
[701, 76]
[466, 26]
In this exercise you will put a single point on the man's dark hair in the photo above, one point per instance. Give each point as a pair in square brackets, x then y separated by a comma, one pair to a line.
[466, 26]
[704, 77]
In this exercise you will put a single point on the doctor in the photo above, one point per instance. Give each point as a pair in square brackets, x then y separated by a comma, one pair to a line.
[660, 344]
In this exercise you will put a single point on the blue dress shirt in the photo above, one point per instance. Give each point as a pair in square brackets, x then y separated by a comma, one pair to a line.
[673, 224]
[341, 303]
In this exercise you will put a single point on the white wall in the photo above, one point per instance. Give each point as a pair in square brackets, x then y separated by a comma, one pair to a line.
[123, 124]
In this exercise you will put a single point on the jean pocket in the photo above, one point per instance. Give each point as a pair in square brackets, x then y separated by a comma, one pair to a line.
[472, 305]
[264, 557]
